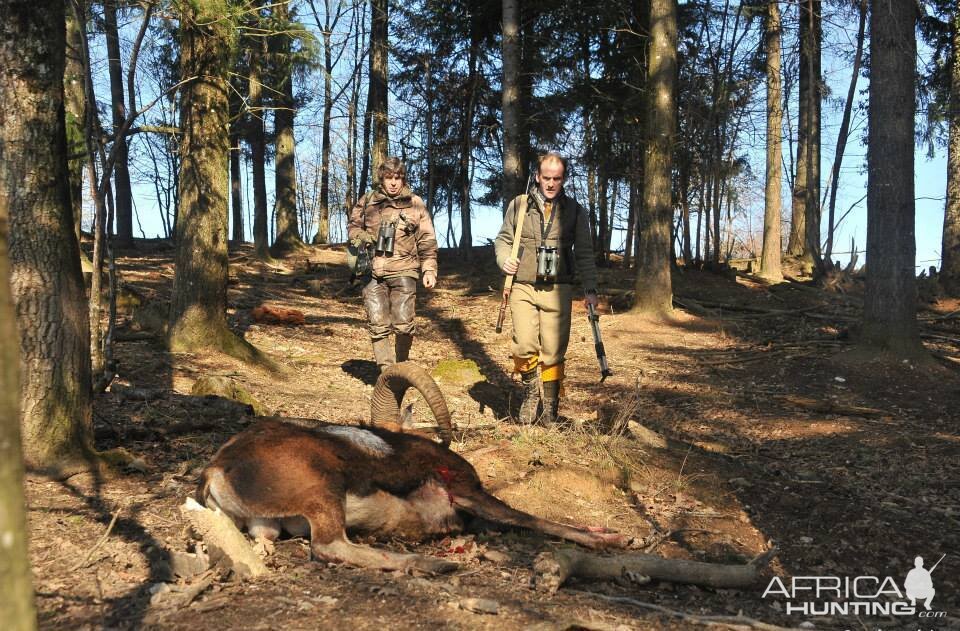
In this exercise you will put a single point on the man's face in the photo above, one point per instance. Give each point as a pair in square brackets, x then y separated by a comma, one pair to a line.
[392, 183]
[550, 179]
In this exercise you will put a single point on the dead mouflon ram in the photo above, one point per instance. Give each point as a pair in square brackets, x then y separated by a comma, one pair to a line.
[324, 480]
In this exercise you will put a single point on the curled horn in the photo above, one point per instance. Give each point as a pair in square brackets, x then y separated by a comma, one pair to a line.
[389, 392]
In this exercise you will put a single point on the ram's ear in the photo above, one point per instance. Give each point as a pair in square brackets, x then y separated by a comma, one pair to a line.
[406, 416]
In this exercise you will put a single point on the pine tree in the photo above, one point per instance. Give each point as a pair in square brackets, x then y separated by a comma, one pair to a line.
[770, 260]
[890, 300]
[654, 290]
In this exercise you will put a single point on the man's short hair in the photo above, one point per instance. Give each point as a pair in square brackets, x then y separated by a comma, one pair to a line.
[392, 165]
[552, 156]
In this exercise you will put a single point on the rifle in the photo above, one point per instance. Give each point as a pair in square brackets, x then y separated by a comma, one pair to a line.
[361, 265]
[514, 253]
[930, 571]
[594, 318]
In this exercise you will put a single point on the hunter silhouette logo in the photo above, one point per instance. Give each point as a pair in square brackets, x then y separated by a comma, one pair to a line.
[919, 585]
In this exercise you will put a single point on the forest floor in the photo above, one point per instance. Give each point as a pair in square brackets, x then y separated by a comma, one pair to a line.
[749, 420]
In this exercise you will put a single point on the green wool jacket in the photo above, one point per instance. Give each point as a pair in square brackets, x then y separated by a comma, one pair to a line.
[569, 233]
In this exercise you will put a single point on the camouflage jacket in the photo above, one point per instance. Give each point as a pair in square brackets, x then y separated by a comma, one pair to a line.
[415, 242]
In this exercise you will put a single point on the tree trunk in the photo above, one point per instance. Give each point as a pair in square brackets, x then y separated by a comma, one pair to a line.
[685, 210]
[950, 264]
[526, 75]
[796, 245]
[377, 97]
[258, 147]
[466, 134]
[716, 198]
[812, 13]
[123, 199]
[101, 194]
[512, 165]
[706, 189]
[611, 219]
[199, 297]
[589, 138]
[351, 166]
[429, 123]
[844, 131]
[365, 178]
[890, 300]
[99, 229]
[600, 229]
[76, 115]
[637, 135]
[26, 45]
[236, 185]
[16, 590]
[631, 223]
[287, 238]
[654, 290]
[770, 264]
[45, 278]
[591, 180]
[236, 169]
[323, 225]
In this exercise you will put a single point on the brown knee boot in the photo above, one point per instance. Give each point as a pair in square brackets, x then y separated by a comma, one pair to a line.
[404, 342]
[551, 402]
[383, 353]
[531, 396]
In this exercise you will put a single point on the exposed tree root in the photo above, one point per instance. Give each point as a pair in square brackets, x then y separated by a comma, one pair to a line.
[106, 464]
[216, 336]
[554, 568]
[731, 622]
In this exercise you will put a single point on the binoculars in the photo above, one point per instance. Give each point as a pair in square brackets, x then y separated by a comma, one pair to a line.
[385, 238]
[547, 261]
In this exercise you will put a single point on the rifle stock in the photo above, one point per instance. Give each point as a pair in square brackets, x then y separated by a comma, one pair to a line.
[514, 253]
[503, 308]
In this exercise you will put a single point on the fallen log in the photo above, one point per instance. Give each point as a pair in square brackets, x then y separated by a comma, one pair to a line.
[553, 569]
[225, 542]
[831, 407]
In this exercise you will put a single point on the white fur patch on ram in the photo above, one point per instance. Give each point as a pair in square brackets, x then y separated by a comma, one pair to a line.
[361, 439]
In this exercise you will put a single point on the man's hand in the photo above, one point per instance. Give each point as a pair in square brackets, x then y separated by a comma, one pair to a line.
[364, 237]
[511, 265]
[590, 298]
[429, 280]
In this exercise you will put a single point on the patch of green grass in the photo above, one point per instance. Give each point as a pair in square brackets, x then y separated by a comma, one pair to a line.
[463, 372]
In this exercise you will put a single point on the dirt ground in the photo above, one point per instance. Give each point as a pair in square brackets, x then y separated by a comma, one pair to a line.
[748, 421]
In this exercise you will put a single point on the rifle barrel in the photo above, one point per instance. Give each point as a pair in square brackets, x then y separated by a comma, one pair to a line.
[937, 563]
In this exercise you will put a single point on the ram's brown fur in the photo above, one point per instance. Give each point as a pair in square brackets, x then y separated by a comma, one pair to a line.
[276, 474]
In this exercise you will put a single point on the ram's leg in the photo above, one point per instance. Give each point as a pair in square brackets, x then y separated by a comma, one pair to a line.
[480, 503]
[324, 511]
